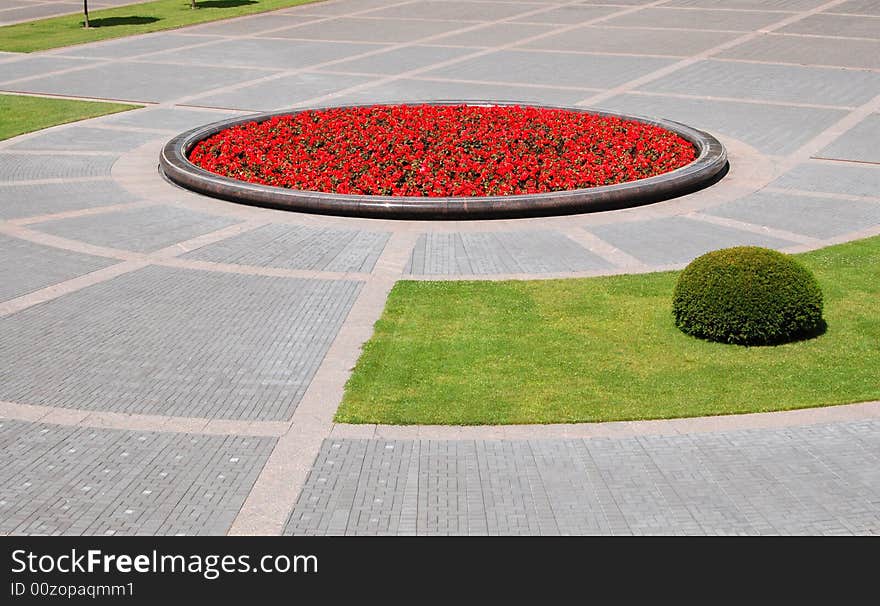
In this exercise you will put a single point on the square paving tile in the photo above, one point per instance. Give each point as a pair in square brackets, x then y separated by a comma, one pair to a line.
[27, 267]
[249, 25]
[85, 138]
[423, 90]
[807, 215]
[139, 229]
[175, 342]
[768, 5]
[265, 53]
[338, 8]
[809, 51]
[676, 239]
[860, 143]
[27, 12]
[17, 200]
[34, 66]
[771, 129]
[281, 93]
[500, 253]
[368, 30]
[130, 47]
[836, 178]
[697, 18]
[453, 10]
[401, 60]
[140, 81]
[857, 7]
[822, 86]
[15, 167]
[495, 35]
[84, 481]
[857, 26]
[552, 69]
[176, 119]
[638, 41]
[568, 15]
[298, 247]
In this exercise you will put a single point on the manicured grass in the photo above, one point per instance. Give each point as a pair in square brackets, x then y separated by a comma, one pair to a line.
[601, 349]
[126, 21]
[21, 114]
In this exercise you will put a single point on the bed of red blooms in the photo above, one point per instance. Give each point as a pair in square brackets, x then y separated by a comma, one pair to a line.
[442, 150]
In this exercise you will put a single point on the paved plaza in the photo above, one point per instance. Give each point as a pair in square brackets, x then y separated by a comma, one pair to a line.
[171, 363]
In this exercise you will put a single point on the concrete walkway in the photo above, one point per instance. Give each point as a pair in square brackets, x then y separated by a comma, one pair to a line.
[171, 363]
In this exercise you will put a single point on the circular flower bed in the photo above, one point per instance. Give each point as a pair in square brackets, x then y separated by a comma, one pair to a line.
[444, 160]
[442, 150]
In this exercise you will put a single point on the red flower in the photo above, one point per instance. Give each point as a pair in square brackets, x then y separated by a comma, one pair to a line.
[442, 150]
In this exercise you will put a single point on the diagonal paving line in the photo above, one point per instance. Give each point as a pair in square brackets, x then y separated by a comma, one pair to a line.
[275, 492]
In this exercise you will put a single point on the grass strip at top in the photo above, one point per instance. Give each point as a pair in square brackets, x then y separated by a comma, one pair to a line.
[604, 349]
[67, 30]
[20, 114]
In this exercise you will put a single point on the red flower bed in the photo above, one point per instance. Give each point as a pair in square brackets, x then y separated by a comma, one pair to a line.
[443, 150]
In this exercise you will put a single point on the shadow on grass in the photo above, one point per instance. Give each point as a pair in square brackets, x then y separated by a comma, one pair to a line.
[111, 21]
[223, 3]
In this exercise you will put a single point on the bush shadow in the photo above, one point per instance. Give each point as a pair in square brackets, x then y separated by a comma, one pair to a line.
[223, 3]
[112, 21]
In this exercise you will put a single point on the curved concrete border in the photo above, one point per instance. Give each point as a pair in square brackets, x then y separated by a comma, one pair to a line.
[710, 165]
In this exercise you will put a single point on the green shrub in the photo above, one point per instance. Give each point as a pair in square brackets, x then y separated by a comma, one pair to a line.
[749, 296]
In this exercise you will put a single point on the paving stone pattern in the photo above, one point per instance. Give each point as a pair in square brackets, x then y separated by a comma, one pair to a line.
[500, 253]
[59, 480]
[175, 342]
[822, 479]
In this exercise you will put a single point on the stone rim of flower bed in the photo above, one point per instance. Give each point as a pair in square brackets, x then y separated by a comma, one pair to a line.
[709, 166]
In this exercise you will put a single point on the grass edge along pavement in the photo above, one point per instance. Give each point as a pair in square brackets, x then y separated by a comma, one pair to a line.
[128, 20]
[21, 114]
[604, 349]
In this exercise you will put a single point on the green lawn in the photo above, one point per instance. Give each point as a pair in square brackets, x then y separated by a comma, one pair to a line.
[126, 21]
[602, 349]
[21, 114]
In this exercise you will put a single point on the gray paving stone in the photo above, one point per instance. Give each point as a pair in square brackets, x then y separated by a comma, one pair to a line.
[176, 119]
[567, 15]
[817, 217]
[496, 35]
[28, 66]
[281, 93]
[338, 8]
[840, 52]
[66, 480]
[452, 10]
[622, 40]
[20, 167]
[175, 342]
[299, 247]
[130, 47]
[790, 83]
[18, 200]
[858, 143]
[801, 480]
[768, 5]
[838, 178]
[421, 90]
[697, 18]
[248, 25]
[500, 253]
[27, 267]
[84, 138]
[858, 26]
[401, 60]
[676, 239]
[139, 229]
[368, 30]
[858, 7]
[770, 129]
[552, 69]
[265, 53]
[139, 81]
[28, 12]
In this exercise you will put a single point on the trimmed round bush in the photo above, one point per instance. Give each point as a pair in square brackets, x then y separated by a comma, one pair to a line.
[748, 295]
